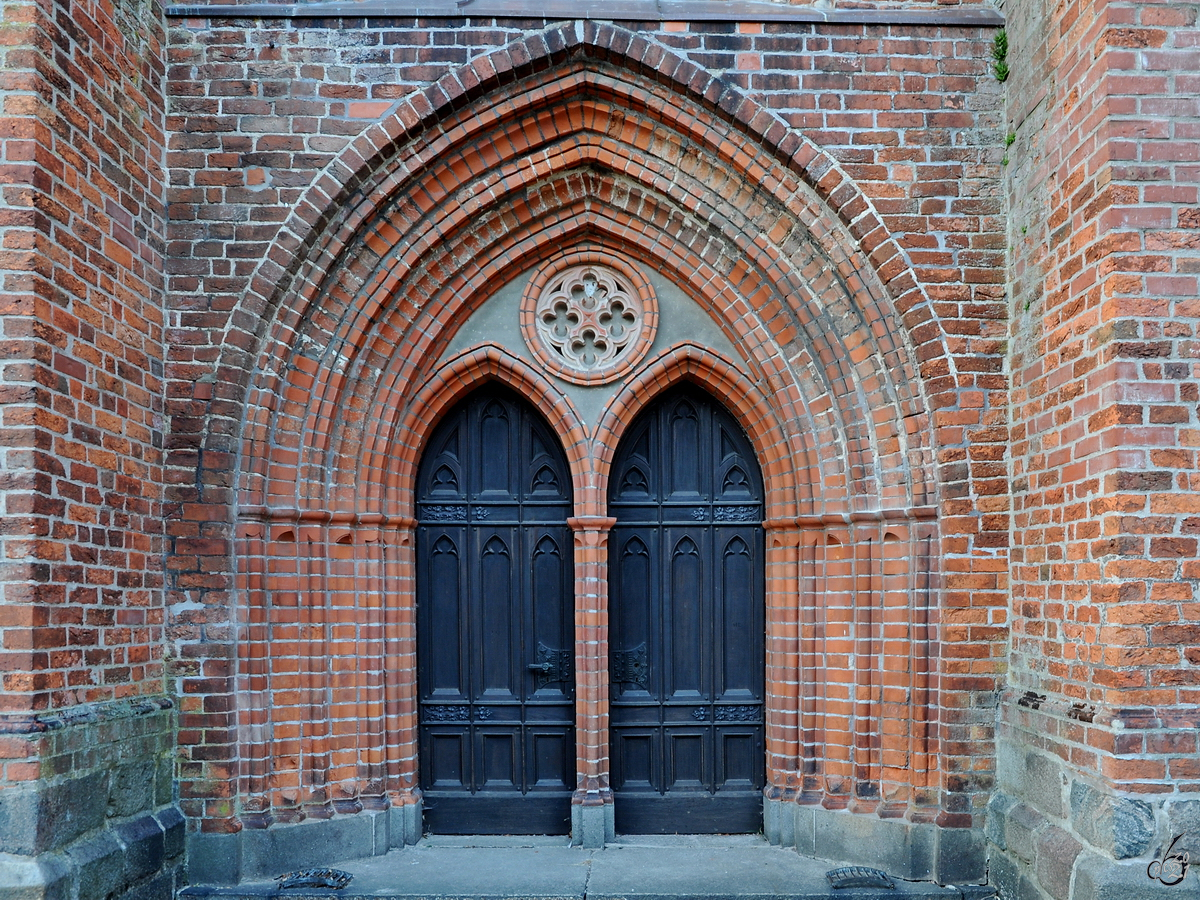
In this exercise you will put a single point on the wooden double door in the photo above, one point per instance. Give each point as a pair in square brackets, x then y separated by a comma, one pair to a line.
[495, 622]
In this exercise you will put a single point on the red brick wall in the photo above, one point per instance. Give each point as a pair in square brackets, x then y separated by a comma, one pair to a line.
[81, 334]
[856, 260]
[1103, 183]
[887, 210]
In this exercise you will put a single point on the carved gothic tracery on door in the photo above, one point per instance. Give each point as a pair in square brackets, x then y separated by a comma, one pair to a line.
[495, 640]
[686, 616]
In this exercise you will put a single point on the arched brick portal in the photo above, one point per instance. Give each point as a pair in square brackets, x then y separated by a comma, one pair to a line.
[581, 139]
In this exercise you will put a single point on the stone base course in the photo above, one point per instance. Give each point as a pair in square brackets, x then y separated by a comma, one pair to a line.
[101, 823]
[909, 850]
[1053, 833]
[257, 853]
[140, 858]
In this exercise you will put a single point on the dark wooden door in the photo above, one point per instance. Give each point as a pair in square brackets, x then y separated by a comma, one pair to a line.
[495, 623]
[686, 620]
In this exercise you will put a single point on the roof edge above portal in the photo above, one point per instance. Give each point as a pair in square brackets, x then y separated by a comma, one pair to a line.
[607, 10]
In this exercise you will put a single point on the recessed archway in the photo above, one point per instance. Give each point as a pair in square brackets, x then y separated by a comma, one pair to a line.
[759, 232]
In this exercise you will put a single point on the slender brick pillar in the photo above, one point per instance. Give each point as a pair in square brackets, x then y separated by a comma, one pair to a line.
[592, 805]
[400, 688]
[783, 677]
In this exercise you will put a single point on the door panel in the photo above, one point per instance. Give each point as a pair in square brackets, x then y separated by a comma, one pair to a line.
[687, 765]
[736, 678]
[449, 763]
[739, 754]
[687, 622]
[552, 755]
[495, 622]
[637, 759]
[499, 756]
[683, 623]
[446, 669]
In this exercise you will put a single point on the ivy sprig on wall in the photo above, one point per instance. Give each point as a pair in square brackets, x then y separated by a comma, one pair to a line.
[1000, 54]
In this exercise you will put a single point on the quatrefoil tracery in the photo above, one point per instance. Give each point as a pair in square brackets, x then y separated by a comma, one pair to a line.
[588, 322]
[589, 319]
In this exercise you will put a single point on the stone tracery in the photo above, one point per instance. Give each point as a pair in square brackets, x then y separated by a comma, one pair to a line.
[587, 321]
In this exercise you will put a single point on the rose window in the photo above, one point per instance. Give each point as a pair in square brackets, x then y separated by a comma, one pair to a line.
[588, 322]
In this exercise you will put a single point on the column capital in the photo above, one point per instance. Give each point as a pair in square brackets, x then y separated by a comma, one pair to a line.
[591, 523]
[398, 523]
[851, 519]
[792, 523]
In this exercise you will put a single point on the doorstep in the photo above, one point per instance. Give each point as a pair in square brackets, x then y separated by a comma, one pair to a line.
[651, 867]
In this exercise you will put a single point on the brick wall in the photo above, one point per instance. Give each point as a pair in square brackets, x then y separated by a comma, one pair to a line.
[297, 176]
[86, 739]
[1102, 185]
[341, 191]
[82, 219]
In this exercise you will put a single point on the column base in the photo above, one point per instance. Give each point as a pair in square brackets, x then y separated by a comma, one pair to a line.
[908, 850]
[265, 852]
[592, 825]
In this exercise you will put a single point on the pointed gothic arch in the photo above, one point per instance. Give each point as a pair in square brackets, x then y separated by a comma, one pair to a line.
[421, 132]
[414, 227]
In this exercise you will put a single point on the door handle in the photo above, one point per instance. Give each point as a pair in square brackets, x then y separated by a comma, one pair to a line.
[552, 666]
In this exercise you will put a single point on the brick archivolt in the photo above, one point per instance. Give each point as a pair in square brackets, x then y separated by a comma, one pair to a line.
[411, 230]
[580, 152]
[329, 720]
[788, 305]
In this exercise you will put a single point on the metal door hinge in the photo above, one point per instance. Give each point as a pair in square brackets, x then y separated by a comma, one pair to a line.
[631, 666]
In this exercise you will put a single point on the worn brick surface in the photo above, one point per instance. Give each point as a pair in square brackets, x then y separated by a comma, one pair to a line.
[81, 397]
[293, 215]
[304, 166]
[1102, 184]
[1103, 180]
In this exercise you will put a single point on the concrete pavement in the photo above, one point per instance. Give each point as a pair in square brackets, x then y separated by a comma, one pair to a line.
[668, 867]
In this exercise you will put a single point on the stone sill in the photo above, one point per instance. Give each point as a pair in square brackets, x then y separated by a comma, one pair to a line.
[605, 10]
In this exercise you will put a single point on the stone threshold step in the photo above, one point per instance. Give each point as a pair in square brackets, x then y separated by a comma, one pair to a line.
[668, 867]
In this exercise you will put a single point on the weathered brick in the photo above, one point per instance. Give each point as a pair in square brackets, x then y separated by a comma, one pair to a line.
[339, 195]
